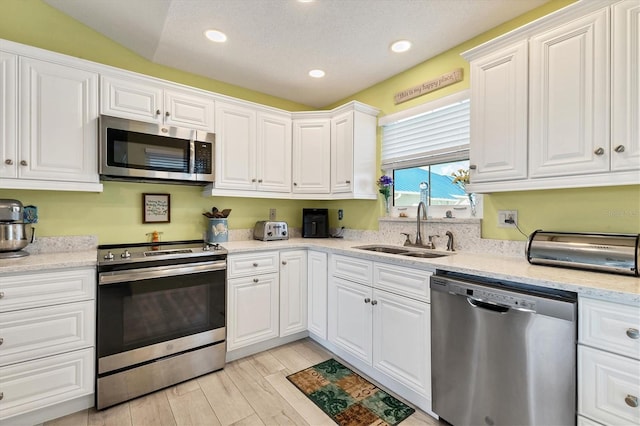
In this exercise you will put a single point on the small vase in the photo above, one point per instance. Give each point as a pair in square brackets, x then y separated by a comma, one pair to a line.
[387, 206]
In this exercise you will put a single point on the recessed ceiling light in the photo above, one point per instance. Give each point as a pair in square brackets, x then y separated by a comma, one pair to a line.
[215, 35]
[306, 1]
[401, 46]
[316, 73]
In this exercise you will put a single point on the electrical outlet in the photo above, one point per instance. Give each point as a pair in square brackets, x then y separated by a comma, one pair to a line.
[507, 218]
[340, 214]
[272, 214]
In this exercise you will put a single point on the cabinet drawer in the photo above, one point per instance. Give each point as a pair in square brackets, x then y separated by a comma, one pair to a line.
[611, 326]
[28, 386]
[240, 265]
[34, 333]
[22, 291]
[353, 269]
[608, 386]
[409, 282]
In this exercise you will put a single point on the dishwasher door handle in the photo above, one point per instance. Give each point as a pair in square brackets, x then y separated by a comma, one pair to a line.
[496, 307]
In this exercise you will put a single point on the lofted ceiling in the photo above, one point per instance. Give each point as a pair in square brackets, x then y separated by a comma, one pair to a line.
[272, 44]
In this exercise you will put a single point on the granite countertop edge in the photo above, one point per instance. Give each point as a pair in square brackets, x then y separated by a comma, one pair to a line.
[619, 288]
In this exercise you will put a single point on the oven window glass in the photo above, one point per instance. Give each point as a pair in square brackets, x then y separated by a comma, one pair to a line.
[141, 313]
[147, 152]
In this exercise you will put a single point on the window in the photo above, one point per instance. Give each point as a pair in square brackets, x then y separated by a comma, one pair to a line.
[424, 149]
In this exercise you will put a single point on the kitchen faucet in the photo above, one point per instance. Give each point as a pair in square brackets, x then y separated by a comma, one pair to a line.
[450, 241]
[424, 216]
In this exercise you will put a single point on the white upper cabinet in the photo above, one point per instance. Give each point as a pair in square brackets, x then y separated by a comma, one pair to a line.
[58, 122]
[625, 101]
[579, 82]
[143, 99]
[311, 156]
[8, 115]
[342, 150]
[499, 115]
[569, 95]
[253, 149]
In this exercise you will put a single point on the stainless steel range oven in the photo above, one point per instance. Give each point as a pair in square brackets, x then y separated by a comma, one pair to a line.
[161, 316]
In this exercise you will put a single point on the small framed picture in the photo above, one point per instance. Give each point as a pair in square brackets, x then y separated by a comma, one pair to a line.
[156, 208]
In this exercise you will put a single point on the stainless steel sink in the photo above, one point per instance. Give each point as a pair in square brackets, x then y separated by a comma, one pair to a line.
[383, 249]
[402, 251]
[422, 254]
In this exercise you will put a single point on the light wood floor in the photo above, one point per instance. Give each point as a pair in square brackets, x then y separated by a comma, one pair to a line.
[250, 391]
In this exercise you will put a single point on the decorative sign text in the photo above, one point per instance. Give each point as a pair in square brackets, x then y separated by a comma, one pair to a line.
[429, 86]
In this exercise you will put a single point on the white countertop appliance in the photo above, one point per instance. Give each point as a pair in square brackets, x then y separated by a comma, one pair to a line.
[266, 230]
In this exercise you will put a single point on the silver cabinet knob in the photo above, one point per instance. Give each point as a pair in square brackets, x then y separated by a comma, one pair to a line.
[599, 151]
[167, 114]
[619, 149]
[23, 163]
[284, 262]
[374, 302]
[253, 180]
[473, 166]
[255, 265]
[8, 162]
[1, 395]
[631, 401]
[633, 333]
[295, 183]
[157, 112]
[1, 294]
[255, 280]
[1, 340]
[259, 180]
[347, 181]
[367, 300]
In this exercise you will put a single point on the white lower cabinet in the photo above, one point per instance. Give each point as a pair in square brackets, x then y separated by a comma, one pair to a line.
[293, 292]
[253, 298]
[43, 382]
[608, 363]
[317, 293]
[47, 327]
[381, 324]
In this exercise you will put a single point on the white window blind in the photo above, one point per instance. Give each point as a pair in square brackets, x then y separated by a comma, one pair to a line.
[437, 135]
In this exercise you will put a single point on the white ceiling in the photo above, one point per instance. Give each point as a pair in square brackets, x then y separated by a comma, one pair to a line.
[272, 44]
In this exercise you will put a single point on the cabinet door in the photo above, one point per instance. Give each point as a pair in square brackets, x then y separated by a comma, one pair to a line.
[317, 289]
[569, 98]
[8, 117]
[185, 109]
[44, 382]
[58, 122]
[350, 316]
[293, 292]
[274, 153]
[235, 147]
[499, 109]
[131, 98]
[253, 310]
[311, 156]
[402, 340]
[625, 101]
[342, 153]
[609, 387]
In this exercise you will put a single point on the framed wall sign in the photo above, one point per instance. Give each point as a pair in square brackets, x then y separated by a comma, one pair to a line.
[156, 208]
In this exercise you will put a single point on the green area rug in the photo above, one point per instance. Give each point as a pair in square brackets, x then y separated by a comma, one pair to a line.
[347, 398]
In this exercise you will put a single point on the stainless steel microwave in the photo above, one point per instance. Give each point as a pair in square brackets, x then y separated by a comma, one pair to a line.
[134, 150]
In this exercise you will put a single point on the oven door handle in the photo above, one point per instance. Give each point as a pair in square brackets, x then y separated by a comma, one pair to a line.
[115, 277]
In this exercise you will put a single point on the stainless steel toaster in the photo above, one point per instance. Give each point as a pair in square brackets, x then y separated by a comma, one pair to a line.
[270, 231]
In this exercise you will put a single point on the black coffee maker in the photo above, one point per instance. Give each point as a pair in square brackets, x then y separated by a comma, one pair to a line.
[315, 223]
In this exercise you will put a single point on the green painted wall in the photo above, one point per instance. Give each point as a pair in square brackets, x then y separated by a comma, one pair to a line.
[115, 214]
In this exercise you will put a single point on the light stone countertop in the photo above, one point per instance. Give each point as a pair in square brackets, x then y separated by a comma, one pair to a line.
[614, 287]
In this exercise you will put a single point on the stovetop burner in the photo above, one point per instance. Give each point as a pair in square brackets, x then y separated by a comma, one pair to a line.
[13, 254]
[140, 252]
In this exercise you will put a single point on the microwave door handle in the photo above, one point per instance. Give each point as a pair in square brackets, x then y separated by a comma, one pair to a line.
[192, 152]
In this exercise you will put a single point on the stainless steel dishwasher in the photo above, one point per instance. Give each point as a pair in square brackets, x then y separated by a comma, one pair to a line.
[502, 353]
